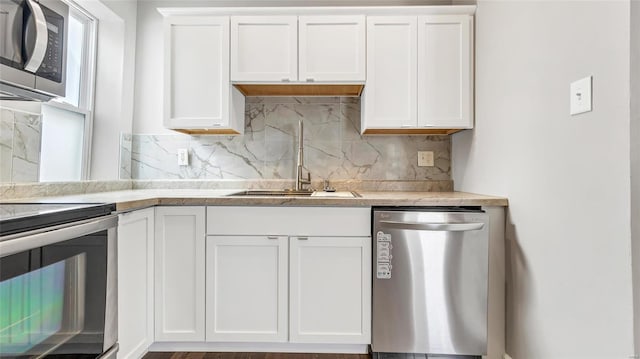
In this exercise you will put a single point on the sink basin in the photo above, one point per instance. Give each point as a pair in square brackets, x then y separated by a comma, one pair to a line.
[272, 193]
[292, 193]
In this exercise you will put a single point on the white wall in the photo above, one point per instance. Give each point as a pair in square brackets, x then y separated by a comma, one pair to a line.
[567, 177]
[113, 108]
[635, 163]
[127, 11]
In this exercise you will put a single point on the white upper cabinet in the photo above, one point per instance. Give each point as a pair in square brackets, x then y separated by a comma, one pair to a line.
[198, 97]
[445, 71]
[332, 48]
[391, 90]
[328, 48]
[264, 48]
[419, 74]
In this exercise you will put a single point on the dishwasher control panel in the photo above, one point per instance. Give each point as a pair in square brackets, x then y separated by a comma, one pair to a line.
[383, 257]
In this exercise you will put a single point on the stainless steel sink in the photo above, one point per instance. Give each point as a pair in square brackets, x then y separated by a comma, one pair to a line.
[272, 193]
[292, 193]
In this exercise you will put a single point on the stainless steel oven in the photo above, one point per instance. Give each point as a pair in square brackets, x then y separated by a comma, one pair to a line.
[33, 48]
[58, 289]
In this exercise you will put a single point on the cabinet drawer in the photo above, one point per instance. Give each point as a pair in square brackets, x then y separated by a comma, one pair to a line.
[303, 221]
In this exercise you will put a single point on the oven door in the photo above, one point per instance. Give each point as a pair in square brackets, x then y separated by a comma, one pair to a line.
[58, 292]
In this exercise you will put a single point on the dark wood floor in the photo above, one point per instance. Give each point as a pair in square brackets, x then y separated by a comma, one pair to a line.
[159, 355]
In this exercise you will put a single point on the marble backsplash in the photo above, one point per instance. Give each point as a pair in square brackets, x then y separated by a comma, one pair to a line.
[19, 146]
[125, 156]
[11, 191]
[333, 147]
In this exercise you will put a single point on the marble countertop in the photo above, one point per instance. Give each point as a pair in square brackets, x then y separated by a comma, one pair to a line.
[137, 199]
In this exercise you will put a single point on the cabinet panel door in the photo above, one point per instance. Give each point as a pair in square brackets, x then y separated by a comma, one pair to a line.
[179, 273]
[247, 288]
[135, 282]
[332, 48]
[445, 71]
[264, 48]
[391, 91]
[330, 290]
[196, 73]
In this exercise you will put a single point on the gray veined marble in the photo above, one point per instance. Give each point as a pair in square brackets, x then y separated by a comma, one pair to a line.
[20, 138]
[334, 148]
[48, 189]
[155, 156]
[125, 156]
[225, 157]
[6, 145]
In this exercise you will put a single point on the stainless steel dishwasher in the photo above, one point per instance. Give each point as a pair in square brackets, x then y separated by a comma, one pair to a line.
[430, 282]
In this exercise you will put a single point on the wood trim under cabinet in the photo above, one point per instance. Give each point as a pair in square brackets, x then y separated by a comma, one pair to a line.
[207, 131]
[349, 90]
[412, 131]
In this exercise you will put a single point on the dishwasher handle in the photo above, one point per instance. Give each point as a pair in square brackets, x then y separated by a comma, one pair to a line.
[425, 226]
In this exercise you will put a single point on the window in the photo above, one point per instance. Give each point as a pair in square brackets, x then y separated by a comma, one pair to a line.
[67, 122]
[64, 151]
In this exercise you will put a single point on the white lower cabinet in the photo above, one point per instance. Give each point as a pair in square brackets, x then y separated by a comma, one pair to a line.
[179, 274]
[272, 266]
[330, 290]
[258, 278]
[247, 288]
[135, 282]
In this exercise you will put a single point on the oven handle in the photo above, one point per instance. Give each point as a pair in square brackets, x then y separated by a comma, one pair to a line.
[42, 38]
[24, 242]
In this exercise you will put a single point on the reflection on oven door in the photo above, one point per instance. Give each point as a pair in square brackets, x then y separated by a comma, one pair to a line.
[42, 309]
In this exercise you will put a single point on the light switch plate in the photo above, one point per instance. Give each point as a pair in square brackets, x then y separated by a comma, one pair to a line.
[425, 158]
[581, 96]
[183, 157]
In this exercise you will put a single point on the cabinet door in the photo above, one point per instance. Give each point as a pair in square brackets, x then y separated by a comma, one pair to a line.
[264, 48]
[135, 282]
[196, 72]
[247, 288]
[391, 91]
[445, 71]
[179, 274]
[330, 290]
[332, 48]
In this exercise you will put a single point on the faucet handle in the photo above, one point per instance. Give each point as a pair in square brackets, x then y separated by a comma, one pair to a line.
[326, 187]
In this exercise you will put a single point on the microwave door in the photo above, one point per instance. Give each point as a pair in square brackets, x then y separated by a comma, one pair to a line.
[12, 61]
[51, 72]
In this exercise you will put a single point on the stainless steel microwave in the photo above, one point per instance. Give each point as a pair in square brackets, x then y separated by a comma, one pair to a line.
[33, 49]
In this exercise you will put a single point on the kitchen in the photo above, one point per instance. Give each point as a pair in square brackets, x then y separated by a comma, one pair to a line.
[571, 287]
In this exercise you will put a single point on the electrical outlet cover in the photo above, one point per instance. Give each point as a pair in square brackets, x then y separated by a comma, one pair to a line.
[425, 158]
[581, 96]
[183, 157]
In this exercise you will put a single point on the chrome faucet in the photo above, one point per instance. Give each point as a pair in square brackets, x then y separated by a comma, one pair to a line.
[300, 180]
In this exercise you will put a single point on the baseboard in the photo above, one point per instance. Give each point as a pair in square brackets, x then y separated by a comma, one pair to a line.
[259, 347]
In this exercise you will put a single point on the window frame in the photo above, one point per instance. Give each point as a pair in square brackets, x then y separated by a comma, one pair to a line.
[89, 63]
[86, 95]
